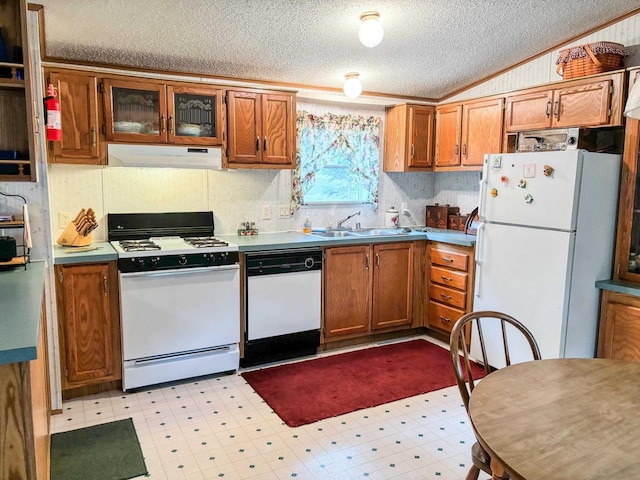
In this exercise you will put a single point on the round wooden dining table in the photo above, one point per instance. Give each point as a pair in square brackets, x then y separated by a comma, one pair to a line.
[561, 419]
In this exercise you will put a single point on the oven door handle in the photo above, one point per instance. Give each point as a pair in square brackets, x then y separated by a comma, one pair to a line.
[182, 271]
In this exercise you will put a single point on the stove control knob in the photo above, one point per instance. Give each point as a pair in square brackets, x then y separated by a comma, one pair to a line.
[223, 256]
[182, 260]
[140, 262]
[154, 261]
[309, 262]
[212, 257]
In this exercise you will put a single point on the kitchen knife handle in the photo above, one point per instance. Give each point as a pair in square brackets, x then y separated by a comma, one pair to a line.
[548, 110]
[170, 123]
[94, 138]
[162, 123]
[264, 143]
[257, 144]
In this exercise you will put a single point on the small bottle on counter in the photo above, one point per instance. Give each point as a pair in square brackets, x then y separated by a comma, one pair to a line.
[306, 228]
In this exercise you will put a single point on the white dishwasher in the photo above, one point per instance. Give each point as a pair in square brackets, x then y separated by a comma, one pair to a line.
[282, 304]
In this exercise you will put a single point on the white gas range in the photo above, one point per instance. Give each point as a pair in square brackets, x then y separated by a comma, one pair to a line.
[179, 297]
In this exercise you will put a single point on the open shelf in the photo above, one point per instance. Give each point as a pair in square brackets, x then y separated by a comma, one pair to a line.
[16, 262]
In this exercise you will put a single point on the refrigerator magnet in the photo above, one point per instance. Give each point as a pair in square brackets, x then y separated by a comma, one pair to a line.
[528, 198]
[505, 180]
[529, 170]
[547, 170]
[522, 183]
[494, 192]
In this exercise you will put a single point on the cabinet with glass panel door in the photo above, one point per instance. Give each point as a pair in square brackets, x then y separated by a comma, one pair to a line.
[148, 111]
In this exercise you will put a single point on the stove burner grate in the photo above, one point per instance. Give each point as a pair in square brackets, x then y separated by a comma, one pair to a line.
[138, 245]
[203, 242]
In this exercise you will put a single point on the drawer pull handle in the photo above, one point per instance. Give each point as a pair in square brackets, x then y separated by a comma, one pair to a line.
[446, 279]
[445, 319]
[446, 297]
[447, 259]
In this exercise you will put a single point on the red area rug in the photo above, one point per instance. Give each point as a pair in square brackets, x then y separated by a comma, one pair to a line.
[308, 391]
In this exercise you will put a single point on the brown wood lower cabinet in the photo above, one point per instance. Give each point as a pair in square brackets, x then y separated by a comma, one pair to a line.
[25, 408]
[367, 288]
[450, 285]
[88, 324]
[619, 336]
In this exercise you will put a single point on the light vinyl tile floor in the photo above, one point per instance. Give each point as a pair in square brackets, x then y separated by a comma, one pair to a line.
[217, 427]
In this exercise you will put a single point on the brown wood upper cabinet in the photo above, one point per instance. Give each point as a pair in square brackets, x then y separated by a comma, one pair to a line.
[89, 324]
[409, 138]
[82, 139]
[589, 102]
[367, 288]
[261, 129]
[465, 132]
[146, 111]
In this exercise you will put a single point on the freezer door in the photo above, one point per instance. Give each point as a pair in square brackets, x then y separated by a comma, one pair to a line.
[515, 190]
[524, 272]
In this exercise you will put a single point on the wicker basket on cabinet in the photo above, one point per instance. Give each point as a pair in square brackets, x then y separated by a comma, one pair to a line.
[589, 59]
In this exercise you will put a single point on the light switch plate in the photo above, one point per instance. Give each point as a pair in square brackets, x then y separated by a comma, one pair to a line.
[283, 211]
[266, 212]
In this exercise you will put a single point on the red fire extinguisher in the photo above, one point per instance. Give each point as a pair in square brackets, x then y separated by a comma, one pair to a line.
[52, 107]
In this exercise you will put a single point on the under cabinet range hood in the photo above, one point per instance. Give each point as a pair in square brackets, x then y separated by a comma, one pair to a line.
[169, 156]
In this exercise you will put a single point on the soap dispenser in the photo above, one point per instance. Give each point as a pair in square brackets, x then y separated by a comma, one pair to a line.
[307, 226]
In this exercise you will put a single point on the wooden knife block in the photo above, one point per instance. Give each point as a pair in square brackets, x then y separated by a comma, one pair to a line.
[71, 238]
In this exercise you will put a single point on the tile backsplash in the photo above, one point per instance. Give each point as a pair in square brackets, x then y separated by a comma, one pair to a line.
[236, 196]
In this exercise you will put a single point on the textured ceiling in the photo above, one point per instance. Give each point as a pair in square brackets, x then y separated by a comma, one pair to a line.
[430, 48]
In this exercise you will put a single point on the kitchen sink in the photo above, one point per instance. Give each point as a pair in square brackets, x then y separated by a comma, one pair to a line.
[366, 232]
[334, 234]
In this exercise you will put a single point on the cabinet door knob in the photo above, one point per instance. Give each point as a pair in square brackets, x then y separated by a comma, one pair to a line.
[548, 110]
[445, 319]
[94, 137]
[455, 150]
[257, 144]
[378, 260]
[264, 145]
[162, 123]
[170, 123]
[447, 259]
[556, 109]
[366, 262]
[446, 297]
[413, 150]
[464, 149]
[106, 286]
[446, 279]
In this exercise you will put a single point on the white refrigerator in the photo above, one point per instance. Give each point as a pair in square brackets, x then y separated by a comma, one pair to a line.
[546, 234]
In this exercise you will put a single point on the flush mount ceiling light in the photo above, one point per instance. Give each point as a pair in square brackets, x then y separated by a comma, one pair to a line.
[352, 87]
[371, 31]
[632, 108]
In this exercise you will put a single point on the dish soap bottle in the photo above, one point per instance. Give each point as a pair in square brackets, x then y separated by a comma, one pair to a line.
[307, 226]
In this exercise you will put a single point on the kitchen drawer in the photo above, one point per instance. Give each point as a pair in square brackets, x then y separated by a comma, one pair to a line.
[457, 260]
[448, 296]
[450, 278]
[443, 317]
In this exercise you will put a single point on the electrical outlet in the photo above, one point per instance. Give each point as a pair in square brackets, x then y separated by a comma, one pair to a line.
[283, 211]
[63, 219]
[266, 212]
[404, 207]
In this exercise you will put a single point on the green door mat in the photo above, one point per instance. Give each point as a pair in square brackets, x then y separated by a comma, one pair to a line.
[103, 452]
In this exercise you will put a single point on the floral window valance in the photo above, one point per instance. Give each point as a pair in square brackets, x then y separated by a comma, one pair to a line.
[347, 146]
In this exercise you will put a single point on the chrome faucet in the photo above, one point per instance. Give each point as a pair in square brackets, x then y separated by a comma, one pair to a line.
[340, 222]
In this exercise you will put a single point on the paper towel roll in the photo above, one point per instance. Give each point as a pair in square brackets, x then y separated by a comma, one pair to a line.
[27, 228]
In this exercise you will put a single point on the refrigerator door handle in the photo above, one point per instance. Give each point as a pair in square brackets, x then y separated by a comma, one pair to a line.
[484, 181]
[479, 258]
